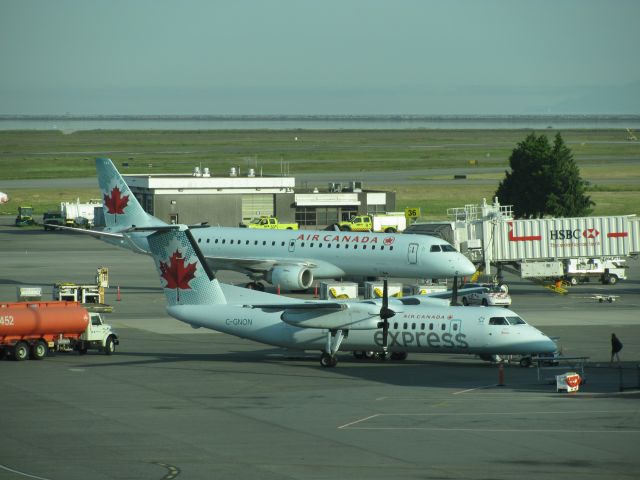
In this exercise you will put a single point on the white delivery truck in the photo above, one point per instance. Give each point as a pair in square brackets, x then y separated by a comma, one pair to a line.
[608, 271]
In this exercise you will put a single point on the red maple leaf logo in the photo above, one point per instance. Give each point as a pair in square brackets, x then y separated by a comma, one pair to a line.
[177, 273]
[116, 203]
[389, 241]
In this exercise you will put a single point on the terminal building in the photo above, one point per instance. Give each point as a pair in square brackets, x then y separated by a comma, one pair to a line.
[233, 199]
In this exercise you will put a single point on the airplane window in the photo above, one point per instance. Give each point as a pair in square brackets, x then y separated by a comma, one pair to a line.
[355, 247]
[413, 326]
[444, 326]
[391, 248]
[319, 245]
[302, 244]
[231, 241]
[224, 240]
[431, 326]
[455, 326]
[395, 325]
[373, 247]
[199, 240]
[328, 245]
[405, 326]
[498, 321]
[273, 243]
[422, 326]
[337, 245]
[208, 240]
[264, 242]
[239, 241]
[216, 241]
[255, 242]
[516, 321]
[364, 247]
[247, 243]
[435, 248]
[311, 244]
[346, 245]
[448, 248]
[381, 247]
[282, 244]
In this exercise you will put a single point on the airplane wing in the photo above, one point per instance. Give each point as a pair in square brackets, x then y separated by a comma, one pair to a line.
[329, 315]
[254, 265]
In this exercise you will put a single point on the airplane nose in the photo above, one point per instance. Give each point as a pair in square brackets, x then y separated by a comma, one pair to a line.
[465, 267]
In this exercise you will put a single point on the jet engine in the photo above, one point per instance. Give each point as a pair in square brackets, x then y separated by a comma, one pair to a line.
[291, 277]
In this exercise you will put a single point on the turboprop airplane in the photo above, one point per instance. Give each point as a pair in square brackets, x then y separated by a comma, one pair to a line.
[420, 324]
[289, 259]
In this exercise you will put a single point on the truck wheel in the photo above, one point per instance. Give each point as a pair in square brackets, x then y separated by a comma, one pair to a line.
[345, 228]
[21, 351]
[390, 230]
[613, 280]
[573, 281]
[109, 346]
[39, 350]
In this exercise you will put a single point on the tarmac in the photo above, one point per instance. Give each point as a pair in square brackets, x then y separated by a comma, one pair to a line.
[174, 402]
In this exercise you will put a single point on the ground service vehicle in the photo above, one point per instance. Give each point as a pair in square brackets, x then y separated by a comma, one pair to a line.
[489, 295]
[265, 221]
[52, 218]
[579, 270]
[25, 217]
[31, 329]
[378, 222]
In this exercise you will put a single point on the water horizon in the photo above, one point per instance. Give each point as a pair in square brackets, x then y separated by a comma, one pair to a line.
[70, 123]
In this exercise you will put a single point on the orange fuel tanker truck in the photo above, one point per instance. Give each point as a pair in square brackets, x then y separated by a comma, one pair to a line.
[31, 329]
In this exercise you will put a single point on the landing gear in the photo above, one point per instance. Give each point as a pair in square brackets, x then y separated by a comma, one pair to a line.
[369, 355]
[334, 339]
[328, 361]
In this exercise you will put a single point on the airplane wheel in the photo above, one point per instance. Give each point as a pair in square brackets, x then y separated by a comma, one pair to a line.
[328, 361]
[525, 362]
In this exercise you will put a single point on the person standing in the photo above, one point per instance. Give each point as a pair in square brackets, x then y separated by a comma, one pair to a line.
[616, 346]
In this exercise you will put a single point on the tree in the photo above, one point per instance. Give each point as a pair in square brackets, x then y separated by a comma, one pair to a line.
[543, 180]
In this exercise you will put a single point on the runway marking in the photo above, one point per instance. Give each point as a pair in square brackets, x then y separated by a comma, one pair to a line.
[361, 420]
[472, 389]
[173, 471]
[350, 425]
[4, 467]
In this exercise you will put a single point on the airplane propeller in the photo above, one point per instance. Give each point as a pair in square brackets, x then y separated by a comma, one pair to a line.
[454, 292]
[385, 314]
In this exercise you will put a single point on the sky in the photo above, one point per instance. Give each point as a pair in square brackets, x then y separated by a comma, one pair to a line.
[323, 57]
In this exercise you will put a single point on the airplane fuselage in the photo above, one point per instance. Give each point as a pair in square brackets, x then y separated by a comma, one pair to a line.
[428, 329]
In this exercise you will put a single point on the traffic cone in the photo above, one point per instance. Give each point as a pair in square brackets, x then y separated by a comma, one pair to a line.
[501, 375]
[118, 292]
[315, 291]
[278, 290]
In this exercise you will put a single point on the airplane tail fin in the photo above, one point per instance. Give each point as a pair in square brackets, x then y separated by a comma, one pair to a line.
[184, 273]
[121, 208]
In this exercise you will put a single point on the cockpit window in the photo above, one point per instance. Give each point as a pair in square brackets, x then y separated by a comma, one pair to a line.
[448, 248]
[498, 321]
[436, 248]
[516, 321]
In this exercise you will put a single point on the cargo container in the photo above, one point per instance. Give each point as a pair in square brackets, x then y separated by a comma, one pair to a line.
[32, 329]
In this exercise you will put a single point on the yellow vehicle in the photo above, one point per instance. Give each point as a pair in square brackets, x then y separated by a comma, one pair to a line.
[383, 222]
[266, 221]
[25, 217]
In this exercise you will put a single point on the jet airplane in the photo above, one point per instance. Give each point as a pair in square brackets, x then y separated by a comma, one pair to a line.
[420, 324]
[286, 258]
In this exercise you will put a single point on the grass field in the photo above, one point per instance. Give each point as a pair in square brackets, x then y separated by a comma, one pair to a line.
[606, 159]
